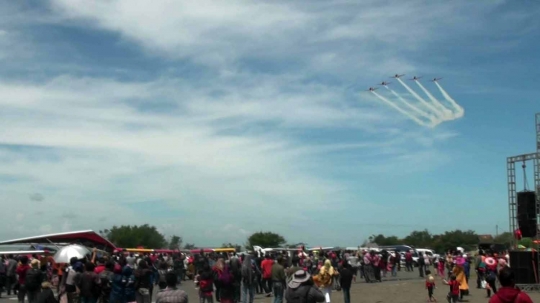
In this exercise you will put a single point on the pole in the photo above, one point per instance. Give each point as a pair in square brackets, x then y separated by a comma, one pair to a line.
[496, 231]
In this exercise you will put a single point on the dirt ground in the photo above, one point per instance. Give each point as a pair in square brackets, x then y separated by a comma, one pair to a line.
[405, 289]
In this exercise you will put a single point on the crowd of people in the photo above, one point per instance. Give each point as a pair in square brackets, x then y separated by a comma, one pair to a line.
[303, 277]
[114, 279]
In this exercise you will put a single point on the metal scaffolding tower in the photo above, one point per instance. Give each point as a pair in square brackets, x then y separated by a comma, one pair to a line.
[511, 175]
[512, 194]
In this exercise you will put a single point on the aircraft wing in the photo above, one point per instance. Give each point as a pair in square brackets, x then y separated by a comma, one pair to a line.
[85, 237]
[23, 252]
[322, 248]
[285, 249]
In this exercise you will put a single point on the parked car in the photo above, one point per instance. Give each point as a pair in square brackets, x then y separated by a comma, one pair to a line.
[402, 249]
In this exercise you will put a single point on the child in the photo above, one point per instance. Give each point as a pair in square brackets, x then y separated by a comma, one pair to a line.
[205, 282]
[453, 295]
[430, 285]
[441, 267]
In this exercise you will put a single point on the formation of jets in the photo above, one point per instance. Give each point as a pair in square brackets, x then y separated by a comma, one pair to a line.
[397, 76]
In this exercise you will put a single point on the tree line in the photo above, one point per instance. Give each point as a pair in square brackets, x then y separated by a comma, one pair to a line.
[468, 239]
[132, 236]
[147, 236]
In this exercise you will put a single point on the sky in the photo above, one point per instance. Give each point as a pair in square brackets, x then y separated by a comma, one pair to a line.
[213, 120]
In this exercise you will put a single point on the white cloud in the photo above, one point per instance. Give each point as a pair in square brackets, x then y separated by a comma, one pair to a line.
[45, 229]
[187, 156]
[244, 143]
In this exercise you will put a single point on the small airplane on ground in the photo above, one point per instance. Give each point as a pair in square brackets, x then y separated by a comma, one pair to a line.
[384, 83]
[398, 76]
[415, 78]
[435, 79]
[371, 89]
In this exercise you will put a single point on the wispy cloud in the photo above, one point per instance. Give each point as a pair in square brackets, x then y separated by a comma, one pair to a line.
[251, 112]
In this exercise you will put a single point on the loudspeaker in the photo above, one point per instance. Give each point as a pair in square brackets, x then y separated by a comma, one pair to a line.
[527, 226]
[526, 203]
[527, 213]
[524, 264]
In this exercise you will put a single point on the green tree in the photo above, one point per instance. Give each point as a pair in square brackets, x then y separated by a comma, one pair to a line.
[506, 238]
[230, 245]
[189, 246]
[175, 242]
[131, 236]
[467, 239]
[527, 242]
[382, 240]
[265, 239]
[420, 239]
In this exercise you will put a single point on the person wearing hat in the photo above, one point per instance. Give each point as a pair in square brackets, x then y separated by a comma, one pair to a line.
[302, 289]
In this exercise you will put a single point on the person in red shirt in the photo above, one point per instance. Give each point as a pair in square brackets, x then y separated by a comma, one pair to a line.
[266, 267]
[21, 271]
[430, 286]
[508, 293]
[453, 295]
[408, 261]
[100, 267]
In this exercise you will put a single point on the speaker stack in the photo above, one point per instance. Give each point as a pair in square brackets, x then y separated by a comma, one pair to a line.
[524, 264]
[527, 213]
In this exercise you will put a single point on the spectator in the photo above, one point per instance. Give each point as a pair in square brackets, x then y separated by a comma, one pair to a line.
[171, 294]
[508, 293]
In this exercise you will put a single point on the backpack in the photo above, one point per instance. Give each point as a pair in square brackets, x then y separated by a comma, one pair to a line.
[225, 278]
[33, 279]
[491, 277]
[299, 296]
[206, 286]
[162, 278]
[105, 278]
[325, 279]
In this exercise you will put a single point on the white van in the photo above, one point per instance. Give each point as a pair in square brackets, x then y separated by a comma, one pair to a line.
[429, 252]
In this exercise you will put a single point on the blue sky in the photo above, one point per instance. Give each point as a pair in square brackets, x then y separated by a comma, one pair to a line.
[213, 120]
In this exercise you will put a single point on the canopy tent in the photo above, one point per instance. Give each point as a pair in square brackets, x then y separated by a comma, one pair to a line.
[87, 238]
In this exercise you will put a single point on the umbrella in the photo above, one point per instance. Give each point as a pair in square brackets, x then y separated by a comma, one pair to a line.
[490, 261]
[64, 254]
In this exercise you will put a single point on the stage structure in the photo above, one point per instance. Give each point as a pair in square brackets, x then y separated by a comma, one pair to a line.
[526, 264]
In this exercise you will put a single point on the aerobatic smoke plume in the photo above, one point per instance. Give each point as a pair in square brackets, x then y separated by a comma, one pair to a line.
[424, 113]
[411, 106]
[457, 107]
[447, 113]
[393, 105]
[424, 102]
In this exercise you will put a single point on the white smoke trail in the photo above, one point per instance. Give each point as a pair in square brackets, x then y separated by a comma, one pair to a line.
[411, 106]
[456, 106]
[431, 107]
[449, 115]
[399, 109]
